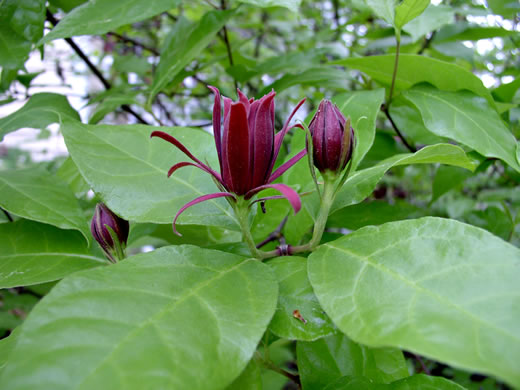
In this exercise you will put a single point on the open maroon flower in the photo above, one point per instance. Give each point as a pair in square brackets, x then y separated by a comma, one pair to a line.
[247, 148]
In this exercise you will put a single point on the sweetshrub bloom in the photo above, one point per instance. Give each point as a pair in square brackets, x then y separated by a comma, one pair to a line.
[110, 231]
[247, 148]
[332, 138]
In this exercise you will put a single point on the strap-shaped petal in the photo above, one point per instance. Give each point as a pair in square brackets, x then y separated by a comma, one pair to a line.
[187, 163]
[217, 126]
[288, 193]
[263, 142]
[286, 165]
[195, 201]
[278, 139]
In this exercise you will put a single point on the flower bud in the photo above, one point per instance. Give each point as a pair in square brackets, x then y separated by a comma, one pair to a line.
[332, 143]
[110, 231]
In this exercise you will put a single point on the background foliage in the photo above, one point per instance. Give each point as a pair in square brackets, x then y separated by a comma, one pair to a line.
[416, 283]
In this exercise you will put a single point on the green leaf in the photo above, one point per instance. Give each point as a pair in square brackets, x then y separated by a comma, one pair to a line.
[33, 253]
[433, 18]
[26, 17]
[415, 69]
[467, 119]
[447, 178]
[41, 110]
[383, 8]
[183, 308]
[66, 5]
[309, 322]
[434, 286]
[128, 170]
[13, 49]
[408, 10]
[69, 173]
[185, 42]
[507, 92]
[110, 104]
[362, 107]
[6, 346]
[421, 381]
[37, 195]
[97, 17]
[249, 379]
[361, 183]
[328, 359]
[293, 5]
[322, 77]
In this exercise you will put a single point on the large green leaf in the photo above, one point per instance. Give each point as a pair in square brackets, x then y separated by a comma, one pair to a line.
[434, 286]
[298, 315]
[37, 195]
[415, 69]
[41, 110]
[6, 346]
[467, 119]
[433, 18]
[128, 170]
[383, 8]
[362, 107]
[328, 359]
[421, 381]
[100, 16]
[33, 253]
[14, 49]
[361, 184]
[152, 321]
[408, 10]
[293, 5]
[183, 44]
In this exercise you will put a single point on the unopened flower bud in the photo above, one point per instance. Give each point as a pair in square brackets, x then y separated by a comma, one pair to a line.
[332, 138]
[110, 231]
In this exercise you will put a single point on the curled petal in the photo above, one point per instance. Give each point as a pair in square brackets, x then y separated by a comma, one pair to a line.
[279, 136]
[286, 165]
[167, 137]
[187, 163]
[288, 193]
[195, 201]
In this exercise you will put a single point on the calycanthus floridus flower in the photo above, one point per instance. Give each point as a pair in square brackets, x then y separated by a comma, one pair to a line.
[247, 148]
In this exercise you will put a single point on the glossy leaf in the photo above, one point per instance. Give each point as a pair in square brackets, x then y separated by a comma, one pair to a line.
[433, 18]
[421, 381]
[101, 16]
[37, 195]
[33, 253]
[361, 183]
[290, 4]
[408, 10]
[93, 322]
[362, 107]
[183, 44]
[467, 119]
[415, 69]
[433, 286]
[41, 110]
[128, 170]
[298, 315]
[328, 359]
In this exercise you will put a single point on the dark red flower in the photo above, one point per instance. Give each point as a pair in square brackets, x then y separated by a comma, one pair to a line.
[103, 219]
[332, 143]
[247, 148]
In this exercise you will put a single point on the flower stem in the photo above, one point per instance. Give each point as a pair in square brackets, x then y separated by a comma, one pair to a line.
[319, 226]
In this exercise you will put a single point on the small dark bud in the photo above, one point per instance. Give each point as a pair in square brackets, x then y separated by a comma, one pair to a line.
[332, 138]
[110, 231]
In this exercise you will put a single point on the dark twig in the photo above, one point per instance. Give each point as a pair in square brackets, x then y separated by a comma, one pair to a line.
[8, 216]
[134, 42]
[423, 366]
[275, 235]
[412, 149]
[427, 42]
[225, 38]
[93, 69]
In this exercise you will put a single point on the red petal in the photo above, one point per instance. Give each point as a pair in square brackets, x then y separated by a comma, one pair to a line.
[243, 98]
[199, 200]
[217, 126]
[236, 152]
[186, 163]
[263, 142]
[286, 165]
[289, 194]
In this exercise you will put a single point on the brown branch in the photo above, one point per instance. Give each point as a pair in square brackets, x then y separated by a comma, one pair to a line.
[8, 216]
[274, 235]
[411, 148]
[427, 42]
[93, 69]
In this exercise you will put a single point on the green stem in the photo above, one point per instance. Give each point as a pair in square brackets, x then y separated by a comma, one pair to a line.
[242, 213]
[394, 74]
[319, 226]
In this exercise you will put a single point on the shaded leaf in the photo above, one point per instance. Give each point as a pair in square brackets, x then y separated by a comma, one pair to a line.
[421, 381]
[408, 10]
[293, 5]
[433, 18]
[33, 253]
[378, 287]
